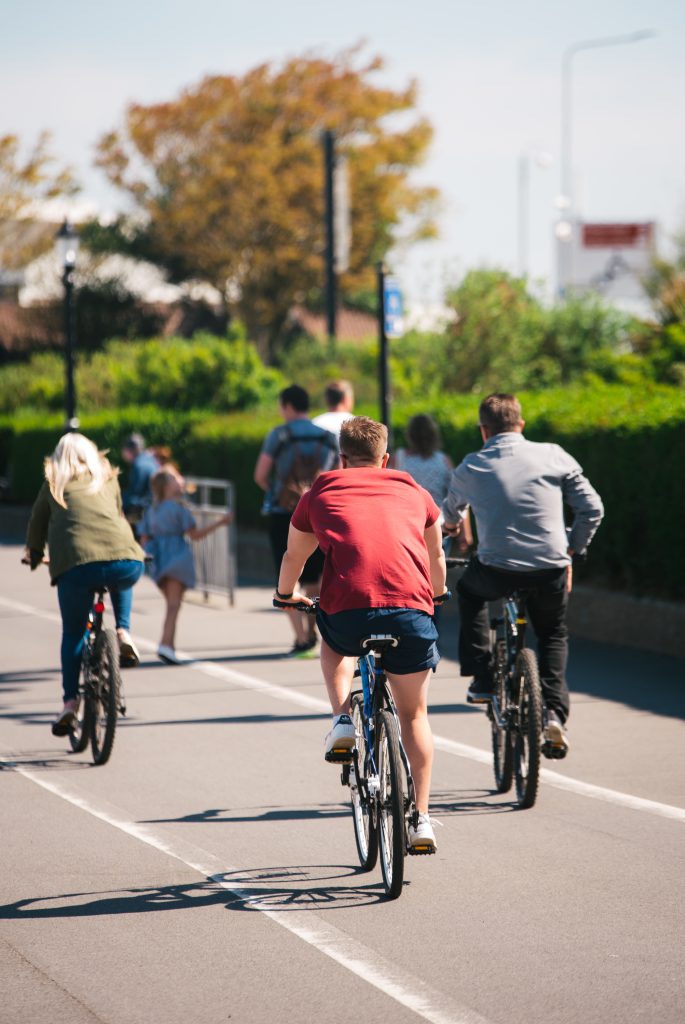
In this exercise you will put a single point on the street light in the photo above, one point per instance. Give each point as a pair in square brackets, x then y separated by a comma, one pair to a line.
[542, 160]
[66, 245]
[566, 202]
[567, 100]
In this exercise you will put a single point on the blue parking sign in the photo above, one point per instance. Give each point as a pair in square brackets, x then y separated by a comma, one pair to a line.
[393, 308]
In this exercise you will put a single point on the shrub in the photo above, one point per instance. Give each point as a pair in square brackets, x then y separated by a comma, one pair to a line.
[629, 440]
[206, 372]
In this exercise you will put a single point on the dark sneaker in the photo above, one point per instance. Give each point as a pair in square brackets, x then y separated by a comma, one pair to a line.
[555, 735]
[481, 691]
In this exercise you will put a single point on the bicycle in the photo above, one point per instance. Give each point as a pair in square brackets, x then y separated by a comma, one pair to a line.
[377, 770]
[515, 711]
[100, 691]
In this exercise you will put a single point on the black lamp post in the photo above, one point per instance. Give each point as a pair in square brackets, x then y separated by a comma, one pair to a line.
[67, 242]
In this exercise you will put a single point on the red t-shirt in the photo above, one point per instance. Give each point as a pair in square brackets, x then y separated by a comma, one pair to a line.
[370, 525]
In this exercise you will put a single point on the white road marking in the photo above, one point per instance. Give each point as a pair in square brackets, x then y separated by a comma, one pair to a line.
[447, 746]
[395, 982]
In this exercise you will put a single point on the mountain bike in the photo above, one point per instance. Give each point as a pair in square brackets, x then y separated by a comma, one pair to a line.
[377, 770]
[100, 691]
[516, 709]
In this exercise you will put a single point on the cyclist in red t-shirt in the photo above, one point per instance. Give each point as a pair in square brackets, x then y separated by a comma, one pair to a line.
[381, 537]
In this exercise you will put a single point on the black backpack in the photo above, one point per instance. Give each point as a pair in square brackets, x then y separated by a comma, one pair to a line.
[304, 468]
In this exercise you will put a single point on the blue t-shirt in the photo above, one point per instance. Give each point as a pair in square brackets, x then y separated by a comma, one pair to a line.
[279, 445]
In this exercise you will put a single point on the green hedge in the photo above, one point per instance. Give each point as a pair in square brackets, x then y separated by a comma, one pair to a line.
[630, 442]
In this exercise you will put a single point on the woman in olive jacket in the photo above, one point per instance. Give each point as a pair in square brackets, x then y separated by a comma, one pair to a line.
[78, 512]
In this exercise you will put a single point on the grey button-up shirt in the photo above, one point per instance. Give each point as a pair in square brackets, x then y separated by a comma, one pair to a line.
[517, 489]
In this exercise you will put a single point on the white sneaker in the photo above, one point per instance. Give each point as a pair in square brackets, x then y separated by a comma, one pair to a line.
[342, 736]
[423, 835]
[168, 654]
[129, 655]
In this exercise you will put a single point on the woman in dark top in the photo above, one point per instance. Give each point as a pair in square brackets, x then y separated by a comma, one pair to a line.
[78, 513]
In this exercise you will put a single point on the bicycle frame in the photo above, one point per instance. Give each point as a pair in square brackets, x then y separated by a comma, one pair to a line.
[377, 696]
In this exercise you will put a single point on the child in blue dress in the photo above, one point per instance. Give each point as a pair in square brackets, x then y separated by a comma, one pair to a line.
[165, 529]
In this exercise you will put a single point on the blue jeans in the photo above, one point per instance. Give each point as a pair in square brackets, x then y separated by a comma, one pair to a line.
[75, 589]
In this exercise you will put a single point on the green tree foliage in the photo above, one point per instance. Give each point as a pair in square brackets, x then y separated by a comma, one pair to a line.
[227, 180]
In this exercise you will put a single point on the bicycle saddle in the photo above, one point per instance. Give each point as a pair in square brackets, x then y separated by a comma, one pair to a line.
[380, 641]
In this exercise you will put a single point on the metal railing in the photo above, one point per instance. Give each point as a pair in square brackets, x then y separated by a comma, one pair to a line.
[215, 554]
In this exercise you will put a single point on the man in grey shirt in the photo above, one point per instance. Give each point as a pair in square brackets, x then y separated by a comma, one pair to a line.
[517, 490]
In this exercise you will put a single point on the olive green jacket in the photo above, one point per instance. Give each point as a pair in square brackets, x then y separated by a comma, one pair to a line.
[90, 529]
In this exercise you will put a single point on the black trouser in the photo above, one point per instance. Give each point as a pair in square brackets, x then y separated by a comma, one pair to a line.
[546, 602]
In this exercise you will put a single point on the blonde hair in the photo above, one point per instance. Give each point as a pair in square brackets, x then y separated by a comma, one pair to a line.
[159, 483]
[74, 458]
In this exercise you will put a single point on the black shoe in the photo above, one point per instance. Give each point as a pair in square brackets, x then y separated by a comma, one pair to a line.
[481, 691]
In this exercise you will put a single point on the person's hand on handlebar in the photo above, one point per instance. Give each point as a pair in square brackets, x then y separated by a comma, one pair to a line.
[295, 598]
[33, 558]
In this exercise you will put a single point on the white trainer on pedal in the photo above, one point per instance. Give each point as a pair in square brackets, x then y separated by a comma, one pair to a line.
[423, 835]
[554, 732]
[342, 736]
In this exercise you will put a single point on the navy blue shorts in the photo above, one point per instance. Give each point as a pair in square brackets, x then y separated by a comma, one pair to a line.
[416, 651]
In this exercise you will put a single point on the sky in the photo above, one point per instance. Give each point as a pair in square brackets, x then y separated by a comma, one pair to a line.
[489, 77]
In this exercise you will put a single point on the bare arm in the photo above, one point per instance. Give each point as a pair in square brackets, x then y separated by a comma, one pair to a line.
[300, 547]
[433, 539]
[198, 532]
[262, 471]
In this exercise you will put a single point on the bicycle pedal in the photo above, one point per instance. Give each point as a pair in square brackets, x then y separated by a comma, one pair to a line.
[421, 851]
[339, 755]
[555, 752]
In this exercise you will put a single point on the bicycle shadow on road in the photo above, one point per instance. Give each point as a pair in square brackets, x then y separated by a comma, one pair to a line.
[44, 761]
[468, 801]
[235, 890]
[226, 816]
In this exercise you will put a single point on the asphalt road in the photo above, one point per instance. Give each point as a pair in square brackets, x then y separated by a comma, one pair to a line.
[207, 873]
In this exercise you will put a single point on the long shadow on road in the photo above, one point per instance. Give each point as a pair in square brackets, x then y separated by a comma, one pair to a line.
[235, 890]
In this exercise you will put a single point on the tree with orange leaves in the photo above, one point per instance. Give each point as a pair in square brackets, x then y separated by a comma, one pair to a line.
[227, 180]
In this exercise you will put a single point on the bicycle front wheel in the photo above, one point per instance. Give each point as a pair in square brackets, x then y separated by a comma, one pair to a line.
[363, 806]
[105, 700]
[390, 805]
[528, 732]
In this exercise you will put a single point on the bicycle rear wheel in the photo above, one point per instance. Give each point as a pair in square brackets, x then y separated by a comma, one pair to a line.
[105, 689]
[528, 731]
[391, 828]
[502, 754]
[363, 806]
[79, 736]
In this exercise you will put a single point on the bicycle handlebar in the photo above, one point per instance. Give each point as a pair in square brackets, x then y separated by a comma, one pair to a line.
[452, 563]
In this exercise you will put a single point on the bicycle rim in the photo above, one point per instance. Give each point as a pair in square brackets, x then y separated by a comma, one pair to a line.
[527, 735]
[363, 808]
[391, 825]
[105, 702]
[502, 755]
[80, 734]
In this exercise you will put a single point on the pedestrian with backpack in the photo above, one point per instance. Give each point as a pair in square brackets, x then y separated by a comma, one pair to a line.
[293, 455]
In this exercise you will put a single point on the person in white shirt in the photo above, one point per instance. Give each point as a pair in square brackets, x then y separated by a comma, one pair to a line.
[339, 398]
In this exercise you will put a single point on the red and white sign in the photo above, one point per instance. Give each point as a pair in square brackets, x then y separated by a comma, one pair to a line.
[612, 236]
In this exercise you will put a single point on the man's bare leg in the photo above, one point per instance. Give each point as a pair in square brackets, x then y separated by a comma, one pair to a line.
[338, 672]
[410, 694]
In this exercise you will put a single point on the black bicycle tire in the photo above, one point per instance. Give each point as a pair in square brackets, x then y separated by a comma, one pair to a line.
[366, 840]
[80, 737]
[393, 873]
[528, 733]
[106, 692]
[502, 752]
